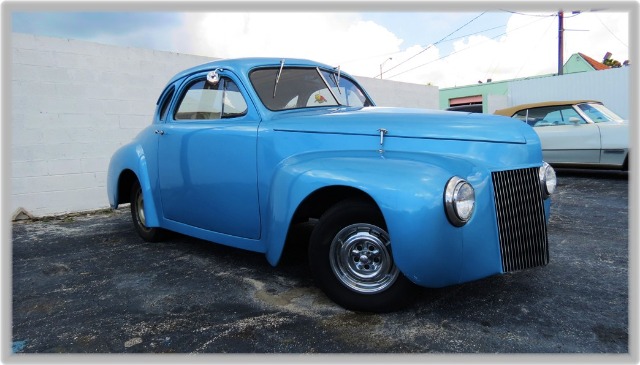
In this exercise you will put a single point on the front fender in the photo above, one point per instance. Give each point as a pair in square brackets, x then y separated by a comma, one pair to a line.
[406, 187]
[132, 158]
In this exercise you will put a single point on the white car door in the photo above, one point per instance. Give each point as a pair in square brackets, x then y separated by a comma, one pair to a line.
[575, 143]
[615, 142]
[614, 132]
[566, 136]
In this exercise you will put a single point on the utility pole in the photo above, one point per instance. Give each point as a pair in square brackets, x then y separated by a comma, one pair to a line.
[385, 61]
[560, 42]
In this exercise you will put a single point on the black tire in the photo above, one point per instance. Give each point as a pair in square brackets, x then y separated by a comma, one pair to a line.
[149, 234]
[350, 259]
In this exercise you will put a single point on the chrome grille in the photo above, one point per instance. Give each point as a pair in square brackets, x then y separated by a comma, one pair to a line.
[521, 221]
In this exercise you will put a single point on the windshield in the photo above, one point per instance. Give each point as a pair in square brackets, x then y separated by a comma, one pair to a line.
[599, 113]
[305, 88]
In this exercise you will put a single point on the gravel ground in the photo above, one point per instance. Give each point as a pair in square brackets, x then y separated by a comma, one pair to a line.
[87, 284]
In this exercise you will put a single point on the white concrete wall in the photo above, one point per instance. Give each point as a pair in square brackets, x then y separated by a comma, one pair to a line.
[73, 103]
[611, 87]
[401, 94]
[495, 102]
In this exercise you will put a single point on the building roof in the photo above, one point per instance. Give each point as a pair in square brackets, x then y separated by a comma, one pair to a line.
[593, 63]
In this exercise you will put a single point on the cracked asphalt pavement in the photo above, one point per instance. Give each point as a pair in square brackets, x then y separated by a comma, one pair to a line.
[88, 284]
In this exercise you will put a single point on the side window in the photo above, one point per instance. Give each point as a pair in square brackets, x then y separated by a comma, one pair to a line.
[555, 117]
[165, 104]
[551, 116]
[206, 101]
[563, 116]
[523, 115]
[201, 101]
[233, 102]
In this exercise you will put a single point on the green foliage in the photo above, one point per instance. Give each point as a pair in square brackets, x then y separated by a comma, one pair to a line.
[612, 63]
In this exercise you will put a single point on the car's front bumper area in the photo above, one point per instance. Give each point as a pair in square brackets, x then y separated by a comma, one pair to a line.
[507, 233]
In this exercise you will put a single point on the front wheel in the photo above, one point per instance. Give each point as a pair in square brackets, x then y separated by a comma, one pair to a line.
[351, 259]
[149, 234]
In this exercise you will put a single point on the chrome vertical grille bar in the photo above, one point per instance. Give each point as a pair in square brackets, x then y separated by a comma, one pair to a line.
[521, 221]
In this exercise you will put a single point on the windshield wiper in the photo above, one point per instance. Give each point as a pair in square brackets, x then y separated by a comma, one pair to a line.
[336, 78]
[278, 77]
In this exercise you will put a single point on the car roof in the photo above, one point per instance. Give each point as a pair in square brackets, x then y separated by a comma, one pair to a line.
[244, 65]
[514, 109]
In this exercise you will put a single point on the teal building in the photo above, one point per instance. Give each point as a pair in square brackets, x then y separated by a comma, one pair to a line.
[493, 95]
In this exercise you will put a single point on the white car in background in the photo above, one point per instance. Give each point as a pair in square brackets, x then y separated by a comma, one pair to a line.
[579, 133]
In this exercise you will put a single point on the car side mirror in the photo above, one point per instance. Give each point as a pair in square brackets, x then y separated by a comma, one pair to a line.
[213, 77]
[574, 120]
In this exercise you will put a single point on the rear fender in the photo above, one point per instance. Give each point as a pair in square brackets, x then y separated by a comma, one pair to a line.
[132, 157]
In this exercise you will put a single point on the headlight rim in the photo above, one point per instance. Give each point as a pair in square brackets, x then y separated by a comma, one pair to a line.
[544, 173]
[452, 188]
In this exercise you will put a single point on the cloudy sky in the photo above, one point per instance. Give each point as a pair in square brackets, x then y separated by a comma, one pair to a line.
[440, 47]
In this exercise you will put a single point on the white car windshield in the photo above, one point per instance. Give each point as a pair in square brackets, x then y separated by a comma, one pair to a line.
[599, 113]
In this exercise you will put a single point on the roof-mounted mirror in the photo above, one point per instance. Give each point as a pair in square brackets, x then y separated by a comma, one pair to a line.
[213, 77]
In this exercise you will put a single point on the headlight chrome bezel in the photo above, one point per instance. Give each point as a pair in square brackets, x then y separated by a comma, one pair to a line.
[548, 180]
[458, 192]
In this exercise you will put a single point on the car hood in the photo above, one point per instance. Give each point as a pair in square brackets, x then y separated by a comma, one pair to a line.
[404, 123]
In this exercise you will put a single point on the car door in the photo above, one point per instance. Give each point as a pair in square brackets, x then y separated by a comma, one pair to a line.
[614, 132]
[207, 159]
[566, 137]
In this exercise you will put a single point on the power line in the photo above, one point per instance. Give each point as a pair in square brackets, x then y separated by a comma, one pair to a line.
[572, 16]
[575, 14]
[474, 33]
[452, 53]
[609, 30]
[404, 50]
[526, 59]
[429, 46]
[534, 15]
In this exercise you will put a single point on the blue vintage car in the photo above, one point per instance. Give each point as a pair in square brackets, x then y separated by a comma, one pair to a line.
[240, 151]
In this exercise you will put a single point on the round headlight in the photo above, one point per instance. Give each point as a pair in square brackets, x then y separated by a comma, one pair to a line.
[459, 201]
[548, 180]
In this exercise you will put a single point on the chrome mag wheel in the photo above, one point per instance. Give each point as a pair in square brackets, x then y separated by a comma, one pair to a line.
[360, 258]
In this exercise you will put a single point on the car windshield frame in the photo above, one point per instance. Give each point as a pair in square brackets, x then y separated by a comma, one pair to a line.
[300, 87]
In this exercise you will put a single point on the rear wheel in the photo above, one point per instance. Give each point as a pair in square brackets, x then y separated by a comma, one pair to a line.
[351, 259]
[149, 234]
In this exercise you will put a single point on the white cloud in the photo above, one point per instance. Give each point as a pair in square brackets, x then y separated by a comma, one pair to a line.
[597, 33]
[329, 38]
[528, 48]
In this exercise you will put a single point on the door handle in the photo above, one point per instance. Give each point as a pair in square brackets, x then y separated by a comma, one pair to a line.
[159, 131]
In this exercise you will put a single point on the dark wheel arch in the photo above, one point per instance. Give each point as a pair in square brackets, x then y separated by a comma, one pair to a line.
[149, 234]
[125, 182]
